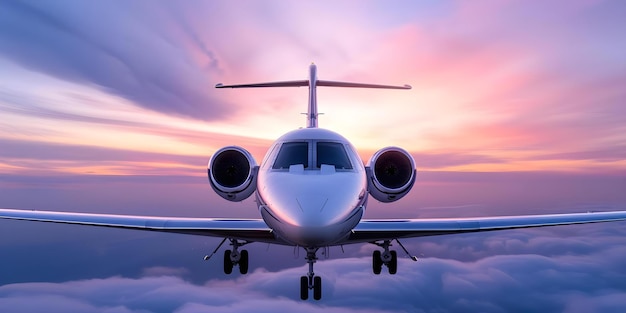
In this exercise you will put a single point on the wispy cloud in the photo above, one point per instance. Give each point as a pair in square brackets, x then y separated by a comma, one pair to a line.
[146, 58]
[510, 82]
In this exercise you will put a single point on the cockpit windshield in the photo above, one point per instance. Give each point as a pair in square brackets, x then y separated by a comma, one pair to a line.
[292, 153]
[324, 152]
[332, 153]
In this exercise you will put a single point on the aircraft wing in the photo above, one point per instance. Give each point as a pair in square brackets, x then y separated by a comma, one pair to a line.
[366, 231]
[375, 230]
[243, 229]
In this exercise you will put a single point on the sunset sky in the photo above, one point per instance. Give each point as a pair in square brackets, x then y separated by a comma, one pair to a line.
[516, 107]
[497, 86]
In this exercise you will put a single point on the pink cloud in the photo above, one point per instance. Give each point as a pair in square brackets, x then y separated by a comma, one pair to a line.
[513, 77]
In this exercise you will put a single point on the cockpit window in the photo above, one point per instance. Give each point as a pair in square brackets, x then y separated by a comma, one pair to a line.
[292, 153]
[333, 153]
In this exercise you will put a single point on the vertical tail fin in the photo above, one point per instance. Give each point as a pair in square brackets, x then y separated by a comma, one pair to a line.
[313, 82]
[311, 115]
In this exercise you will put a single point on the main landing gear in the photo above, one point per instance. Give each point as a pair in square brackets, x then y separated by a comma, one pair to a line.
[233, 257]
[311, 281]
[387, 257]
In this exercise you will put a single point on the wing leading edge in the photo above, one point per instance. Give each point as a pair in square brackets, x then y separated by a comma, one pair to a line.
[366, 230]
[243, 229]
[375, 230]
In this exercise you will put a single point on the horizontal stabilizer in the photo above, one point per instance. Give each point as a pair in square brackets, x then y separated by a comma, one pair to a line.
[313, 83]
[330, 83]
[291, 83]
[303, 83]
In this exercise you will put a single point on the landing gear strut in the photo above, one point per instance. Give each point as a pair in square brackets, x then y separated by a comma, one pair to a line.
[311, 281]
[233, 257]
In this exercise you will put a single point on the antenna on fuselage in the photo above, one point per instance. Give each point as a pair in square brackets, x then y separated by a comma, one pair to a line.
[313, 82]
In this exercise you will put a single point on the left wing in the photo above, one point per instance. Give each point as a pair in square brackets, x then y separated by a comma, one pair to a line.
[243, 229]
[375, 230]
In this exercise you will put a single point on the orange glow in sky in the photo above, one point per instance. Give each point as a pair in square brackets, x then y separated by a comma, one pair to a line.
[495, 87]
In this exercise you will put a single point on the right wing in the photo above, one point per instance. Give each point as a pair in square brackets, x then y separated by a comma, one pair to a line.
[243, 229]
[377, 230]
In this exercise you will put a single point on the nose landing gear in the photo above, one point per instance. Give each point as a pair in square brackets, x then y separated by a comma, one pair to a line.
[311, 282]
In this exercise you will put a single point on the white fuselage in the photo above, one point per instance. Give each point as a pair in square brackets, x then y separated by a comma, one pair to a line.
[312, 188]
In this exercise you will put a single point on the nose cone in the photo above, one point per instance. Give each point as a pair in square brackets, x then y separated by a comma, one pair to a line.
[304, 205]
[312, 209]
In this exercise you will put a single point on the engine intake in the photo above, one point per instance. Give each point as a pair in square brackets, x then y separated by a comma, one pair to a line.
[232, 173]
[391, 174]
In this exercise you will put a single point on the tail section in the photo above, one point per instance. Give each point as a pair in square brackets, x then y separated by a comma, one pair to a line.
[313, 82]
[311, 115]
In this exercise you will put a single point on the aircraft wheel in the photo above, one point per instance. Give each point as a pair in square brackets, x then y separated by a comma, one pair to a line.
[243, 262]
[317, 287]
[228, 264]
[377, 262]
[393, 263]
[304, 287]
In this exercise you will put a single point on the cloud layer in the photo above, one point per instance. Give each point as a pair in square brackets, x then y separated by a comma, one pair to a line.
[543, 272]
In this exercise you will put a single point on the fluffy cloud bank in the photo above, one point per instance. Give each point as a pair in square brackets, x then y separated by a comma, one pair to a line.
[572, 276]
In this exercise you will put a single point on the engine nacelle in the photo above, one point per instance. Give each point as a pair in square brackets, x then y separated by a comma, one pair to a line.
[233, 173]
[390, 174]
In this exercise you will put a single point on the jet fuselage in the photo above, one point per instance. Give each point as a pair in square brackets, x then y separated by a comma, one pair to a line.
[312, 187]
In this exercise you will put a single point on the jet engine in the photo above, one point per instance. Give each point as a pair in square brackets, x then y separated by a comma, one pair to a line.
[390, 174]
[233, 173]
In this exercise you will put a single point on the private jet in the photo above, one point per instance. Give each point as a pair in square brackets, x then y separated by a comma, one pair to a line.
[311, 190]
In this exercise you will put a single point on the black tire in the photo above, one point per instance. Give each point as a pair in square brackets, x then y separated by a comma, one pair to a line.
[317, 288]
[304, 287]
[377, 262]
[243, 262]
[228, 264]
[393, 264]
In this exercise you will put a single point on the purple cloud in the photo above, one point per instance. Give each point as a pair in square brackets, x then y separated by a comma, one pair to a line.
[134, 55]
[523, 282]
[42, 151]
[165, 271]
[439, 160]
